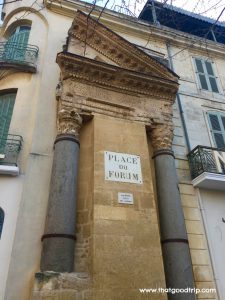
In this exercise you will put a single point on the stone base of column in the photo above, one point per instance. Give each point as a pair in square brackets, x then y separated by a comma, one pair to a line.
[63, 286]
[60, 261]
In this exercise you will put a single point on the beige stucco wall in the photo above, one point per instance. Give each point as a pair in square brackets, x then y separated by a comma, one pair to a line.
[34, 118]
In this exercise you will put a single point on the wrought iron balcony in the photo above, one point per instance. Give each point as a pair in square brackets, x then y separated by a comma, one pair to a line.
[18, 57]
[207, 167]
[10, 147]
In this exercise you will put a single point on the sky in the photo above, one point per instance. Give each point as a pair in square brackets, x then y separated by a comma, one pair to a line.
[209, 8]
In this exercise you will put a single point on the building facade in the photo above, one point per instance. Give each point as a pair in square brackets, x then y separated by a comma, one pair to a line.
[96, 137]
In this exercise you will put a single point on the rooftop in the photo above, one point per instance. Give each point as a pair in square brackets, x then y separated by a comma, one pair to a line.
[186, 21]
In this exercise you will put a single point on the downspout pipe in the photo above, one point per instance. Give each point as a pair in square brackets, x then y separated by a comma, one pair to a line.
[179, 102]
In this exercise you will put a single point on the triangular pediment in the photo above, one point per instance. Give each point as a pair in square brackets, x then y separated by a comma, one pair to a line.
[114, 49]
[76, 46]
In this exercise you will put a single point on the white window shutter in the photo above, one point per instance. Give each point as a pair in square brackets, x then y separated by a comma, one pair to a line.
[217, 125]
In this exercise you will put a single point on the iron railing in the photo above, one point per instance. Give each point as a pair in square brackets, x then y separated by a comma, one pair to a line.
[18, 53]
[203, 159]
[10, 147]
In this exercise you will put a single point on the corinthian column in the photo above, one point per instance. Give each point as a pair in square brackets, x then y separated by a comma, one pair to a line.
[59, 238]
[175, 248]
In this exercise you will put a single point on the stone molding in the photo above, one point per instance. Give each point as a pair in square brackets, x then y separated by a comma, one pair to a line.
[69, 122]
[88, 107]
[97, 73]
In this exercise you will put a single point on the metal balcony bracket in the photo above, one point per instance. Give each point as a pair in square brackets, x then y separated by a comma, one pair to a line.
[10, 147]
[15, 57]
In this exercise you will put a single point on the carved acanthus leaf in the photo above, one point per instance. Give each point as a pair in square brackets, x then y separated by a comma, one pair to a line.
[69, 122]
[162, 136]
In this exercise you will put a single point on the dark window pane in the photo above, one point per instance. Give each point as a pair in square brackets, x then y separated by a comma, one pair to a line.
[214, 122]
[223, 121]
[220, 143]
[209, 68]
[213, 84]
[1, 220]
[199, 65]
[24, 27]
[203, 82]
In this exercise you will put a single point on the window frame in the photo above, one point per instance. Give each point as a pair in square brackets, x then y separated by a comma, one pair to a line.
[219, 114]
[206, 75]
[5, 93]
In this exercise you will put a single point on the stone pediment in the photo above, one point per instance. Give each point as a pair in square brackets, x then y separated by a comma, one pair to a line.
[115, 48]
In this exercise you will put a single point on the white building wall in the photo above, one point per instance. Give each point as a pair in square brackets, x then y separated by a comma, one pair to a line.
[10, 195]
[213, 205]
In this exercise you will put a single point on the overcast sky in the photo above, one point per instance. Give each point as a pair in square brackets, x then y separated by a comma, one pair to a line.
[209, 8]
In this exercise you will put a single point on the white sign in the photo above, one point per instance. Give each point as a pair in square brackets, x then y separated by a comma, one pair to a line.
[125, 198]
[123, 167]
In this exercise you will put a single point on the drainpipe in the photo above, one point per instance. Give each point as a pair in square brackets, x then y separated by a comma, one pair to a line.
[179, 102]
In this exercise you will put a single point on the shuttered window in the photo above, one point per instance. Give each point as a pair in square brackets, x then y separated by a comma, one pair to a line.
[217, 126]
[206, 75]
[15, 48]
[6, 109]
[2, 216]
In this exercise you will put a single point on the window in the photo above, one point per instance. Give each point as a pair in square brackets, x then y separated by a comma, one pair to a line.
[20, 34]
[6, 108]
[206, 75]
[217, 126]
[2, 216]
[15, 47]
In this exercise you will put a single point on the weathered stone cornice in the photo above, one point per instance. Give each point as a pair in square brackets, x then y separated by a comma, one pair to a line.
[112, 77]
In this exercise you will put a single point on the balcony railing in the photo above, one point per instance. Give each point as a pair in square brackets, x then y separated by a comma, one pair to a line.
[18, 56]
[206, 159]
[10, 147]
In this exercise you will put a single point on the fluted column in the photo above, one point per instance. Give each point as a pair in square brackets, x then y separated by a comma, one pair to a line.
[175, 248]
[59, 237]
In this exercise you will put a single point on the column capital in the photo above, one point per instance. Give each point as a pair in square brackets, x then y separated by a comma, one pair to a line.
[69, 121]
[161, 137]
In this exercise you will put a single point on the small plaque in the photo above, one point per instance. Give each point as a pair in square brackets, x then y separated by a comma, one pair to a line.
[123, 167]
[125, 198]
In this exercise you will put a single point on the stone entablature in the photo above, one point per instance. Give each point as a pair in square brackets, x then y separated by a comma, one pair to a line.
[109, 76]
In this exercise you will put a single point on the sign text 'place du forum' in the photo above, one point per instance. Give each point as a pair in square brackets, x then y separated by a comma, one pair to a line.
[123, 167]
